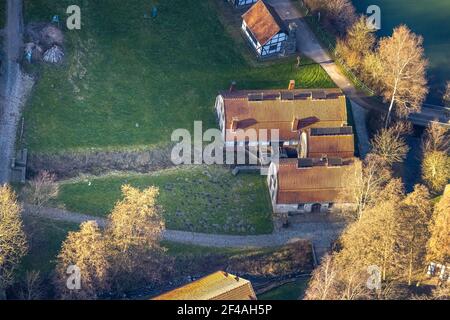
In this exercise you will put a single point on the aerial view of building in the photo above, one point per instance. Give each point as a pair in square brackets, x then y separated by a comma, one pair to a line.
[237, 150]
[217, 286]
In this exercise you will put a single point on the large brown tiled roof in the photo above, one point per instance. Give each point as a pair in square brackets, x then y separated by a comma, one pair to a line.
[217, 286]
[275, 113]
[319, 183]
[263, 21]
[339, 145]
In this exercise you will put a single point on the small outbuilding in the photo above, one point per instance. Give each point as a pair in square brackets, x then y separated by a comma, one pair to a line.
[241, 3]
[266, 31]
[216, 286]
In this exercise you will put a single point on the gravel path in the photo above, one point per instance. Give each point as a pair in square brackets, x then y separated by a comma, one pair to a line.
[322, 234]
[14, 87]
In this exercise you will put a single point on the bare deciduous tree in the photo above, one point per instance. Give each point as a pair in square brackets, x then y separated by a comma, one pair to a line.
[340, 14]
[41, 189]
[446, 96]
[31, 287]
[322, 285]
[436, 138]
[13, 243]
[402, 72]
[389, 143]
[414, 217]
[364, 185]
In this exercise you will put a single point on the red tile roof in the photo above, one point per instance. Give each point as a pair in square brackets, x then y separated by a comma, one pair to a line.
[339, 145]
[263, 21]
[319, 183]
[275, 113]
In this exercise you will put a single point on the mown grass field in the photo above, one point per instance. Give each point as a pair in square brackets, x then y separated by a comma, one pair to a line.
[197, 198]
[128, 82]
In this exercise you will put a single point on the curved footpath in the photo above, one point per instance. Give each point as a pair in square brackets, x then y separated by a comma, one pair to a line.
[321, 234]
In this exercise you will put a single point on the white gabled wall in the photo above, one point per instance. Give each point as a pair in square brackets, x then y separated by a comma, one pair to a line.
[219, 105]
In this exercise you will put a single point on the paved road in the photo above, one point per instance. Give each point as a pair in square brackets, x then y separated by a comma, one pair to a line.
[322, 234]
[310, 46]
[12, 88]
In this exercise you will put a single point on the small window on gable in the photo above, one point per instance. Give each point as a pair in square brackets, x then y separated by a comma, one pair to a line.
[273, 47]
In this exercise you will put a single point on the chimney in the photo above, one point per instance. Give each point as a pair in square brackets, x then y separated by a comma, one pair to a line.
[234, 124]
[291, 85]
[232, 86]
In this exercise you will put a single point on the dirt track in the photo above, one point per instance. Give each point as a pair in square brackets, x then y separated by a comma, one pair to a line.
[14, 87]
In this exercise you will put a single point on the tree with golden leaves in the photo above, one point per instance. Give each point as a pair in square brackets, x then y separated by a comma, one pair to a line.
[357, 44]
[364, 184]
[414, 217]
[125, 254]
[372, 240]
[436, 170]
[134, 231]
[439, 243]
[88, 251]
[13, 242]
[436, 159]
[402, 71]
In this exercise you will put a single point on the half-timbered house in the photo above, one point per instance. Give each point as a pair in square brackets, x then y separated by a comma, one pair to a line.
[241, 3]
[264, 29]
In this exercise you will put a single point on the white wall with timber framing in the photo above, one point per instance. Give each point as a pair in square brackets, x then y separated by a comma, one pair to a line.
[273, 46]
[239, 3]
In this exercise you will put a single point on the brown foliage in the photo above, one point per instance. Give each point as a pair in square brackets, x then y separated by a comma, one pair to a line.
[339, 14]
[365, 185]
[389, 143]
[439, 243]
[292, 258]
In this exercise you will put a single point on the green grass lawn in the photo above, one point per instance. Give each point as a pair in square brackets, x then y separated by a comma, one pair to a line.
[289, 291]
[197, 198]
[128, 82]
